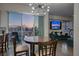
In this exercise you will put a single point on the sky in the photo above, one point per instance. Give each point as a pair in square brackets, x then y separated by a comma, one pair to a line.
[18, 18]
[28, 20]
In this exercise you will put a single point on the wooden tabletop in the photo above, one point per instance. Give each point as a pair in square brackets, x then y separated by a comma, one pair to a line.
[35, 39]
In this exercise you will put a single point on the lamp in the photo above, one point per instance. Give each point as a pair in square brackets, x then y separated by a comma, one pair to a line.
[39, 8]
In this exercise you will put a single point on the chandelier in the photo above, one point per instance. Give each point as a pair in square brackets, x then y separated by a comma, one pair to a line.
[39, 8]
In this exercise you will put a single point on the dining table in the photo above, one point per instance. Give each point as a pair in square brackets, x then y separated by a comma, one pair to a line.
[34, 40]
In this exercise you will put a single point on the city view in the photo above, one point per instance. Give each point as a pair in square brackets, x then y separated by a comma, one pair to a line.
[22, 26]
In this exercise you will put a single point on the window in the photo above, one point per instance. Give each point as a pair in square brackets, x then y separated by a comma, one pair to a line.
[20, 23]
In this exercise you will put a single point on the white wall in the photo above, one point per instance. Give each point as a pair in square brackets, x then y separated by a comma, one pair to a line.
[46, 25]
[0, 17]
[76, 29]
[4, 20]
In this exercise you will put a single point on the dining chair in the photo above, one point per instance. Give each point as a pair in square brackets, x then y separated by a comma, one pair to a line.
[3, 43]
[19, 49]
[1, 46]
[5, 40]
[47, 48]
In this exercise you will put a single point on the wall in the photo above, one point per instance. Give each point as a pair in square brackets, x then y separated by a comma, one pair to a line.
[0, 17]
[76, 29]
[4, 21]
[46, 25]
[67, 27]
[67, 23]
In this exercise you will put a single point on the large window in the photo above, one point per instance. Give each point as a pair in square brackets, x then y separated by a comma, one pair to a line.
[21, 24]
[25, 24]
[15, 24]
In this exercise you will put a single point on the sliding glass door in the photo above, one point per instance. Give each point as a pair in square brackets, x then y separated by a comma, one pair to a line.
[25, 24]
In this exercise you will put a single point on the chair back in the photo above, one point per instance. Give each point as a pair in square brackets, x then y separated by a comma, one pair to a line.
[47, 48]
[6, 41]
[16, 36]
[1, 43]
[14, 44]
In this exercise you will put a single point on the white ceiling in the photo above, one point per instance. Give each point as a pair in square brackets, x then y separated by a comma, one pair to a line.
[59, 9]
[62, 9]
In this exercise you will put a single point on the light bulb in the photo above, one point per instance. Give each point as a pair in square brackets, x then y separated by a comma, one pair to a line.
[42, 6]
[48, 7]
[48, 10]
[37, 13]
[32, 11]
[44, 13]
[30, 4]
[33, 8]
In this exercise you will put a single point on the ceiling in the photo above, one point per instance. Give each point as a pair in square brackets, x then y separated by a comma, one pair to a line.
[58, 9]
[61, 9]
